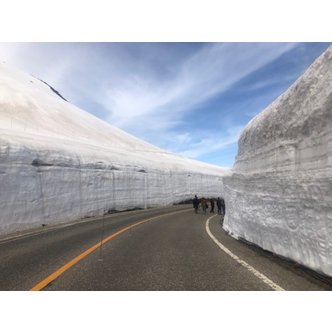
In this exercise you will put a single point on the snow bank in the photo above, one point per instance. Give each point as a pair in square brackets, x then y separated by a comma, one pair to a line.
[280, 193]
[59, 163]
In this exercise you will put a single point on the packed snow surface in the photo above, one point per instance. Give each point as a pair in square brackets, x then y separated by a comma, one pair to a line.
[280, 193]
[59, 163]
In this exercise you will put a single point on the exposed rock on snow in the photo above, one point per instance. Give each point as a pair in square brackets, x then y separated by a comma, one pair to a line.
[60, 163]
[55, 91]
[280, 193]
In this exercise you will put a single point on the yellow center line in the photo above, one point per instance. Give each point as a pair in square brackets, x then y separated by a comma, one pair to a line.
[42, 284]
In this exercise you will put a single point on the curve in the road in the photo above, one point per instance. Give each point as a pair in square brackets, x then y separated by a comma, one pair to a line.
[258, 274]
[42, 284]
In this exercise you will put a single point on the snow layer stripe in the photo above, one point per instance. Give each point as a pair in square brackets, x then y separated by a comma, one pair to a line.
[258, 274]
[42, 284]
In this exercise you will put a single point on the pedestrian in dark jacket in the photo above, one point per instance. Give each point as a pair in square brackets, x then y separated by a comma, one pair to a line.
[223, 207]
[195, 203]
[219, 205]
[212, 205]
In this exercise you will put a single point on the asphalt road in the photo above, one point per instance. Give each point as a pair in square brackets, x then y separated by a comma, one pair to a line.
[172, 251]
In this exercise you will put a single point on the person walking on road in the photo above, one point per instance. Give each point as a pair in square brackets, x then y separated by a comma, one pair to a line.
[196, 203]
[204, 204]
[212, 205]
[223, 207]
[219, 205]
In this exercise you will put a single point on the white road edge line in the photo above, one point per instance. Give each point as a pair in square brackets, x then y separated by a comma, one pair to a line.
[258, 274]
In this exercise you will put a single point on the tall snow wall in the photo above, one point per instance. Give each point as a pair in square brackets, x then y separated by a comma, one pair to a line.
[279, 195]
[59, 163]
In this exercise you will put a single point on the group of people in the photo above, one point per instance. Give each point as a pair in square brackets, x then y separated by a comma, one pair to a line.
[203, 203]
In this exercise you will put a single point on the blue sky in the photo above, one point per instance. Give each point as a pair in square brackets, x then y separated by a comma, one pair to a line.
[189, 98]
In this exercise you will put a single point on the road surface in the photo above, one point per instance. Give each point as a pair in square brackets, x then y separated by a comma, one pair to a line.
[157, 249]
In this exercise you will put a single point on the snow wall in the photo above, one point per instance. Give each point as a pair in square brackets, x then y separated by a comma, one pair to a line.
[59, 163]
[279, 195]
[49, 187]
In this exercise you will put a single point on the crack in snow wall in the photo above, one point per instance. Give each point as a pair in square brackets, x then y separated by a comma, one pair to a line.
[280, 193]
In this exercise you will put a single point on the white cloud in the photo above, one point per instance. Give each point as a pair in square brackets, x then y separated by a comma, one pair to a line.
[214, 142]
[207, 72]
[152, 109]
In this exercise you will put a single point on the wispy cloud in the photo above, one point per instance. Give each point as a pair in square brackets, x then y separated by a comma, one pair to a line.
[211, 70]
[155, 108]
[210, 143]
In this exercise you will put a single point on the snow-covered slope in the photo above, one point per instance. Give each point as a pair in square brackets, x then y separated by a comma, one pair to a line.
[280, 193]
[60, 163]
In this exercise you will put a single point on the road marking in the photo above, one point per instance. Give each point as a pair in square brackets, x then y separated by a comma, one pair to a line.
[258, 274]
[42, 284]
